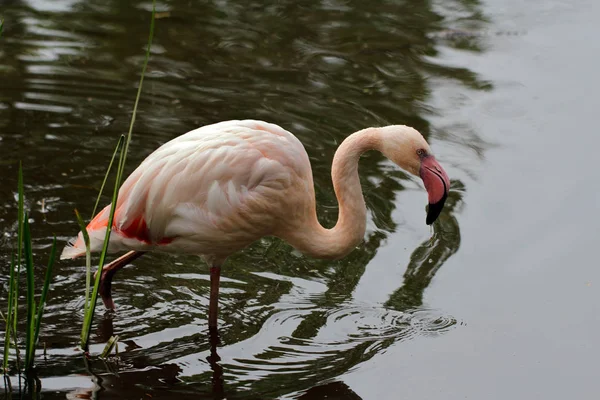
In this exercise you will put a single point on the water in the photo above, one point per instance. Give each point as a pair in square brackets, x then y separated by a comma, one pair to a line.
[500, 90]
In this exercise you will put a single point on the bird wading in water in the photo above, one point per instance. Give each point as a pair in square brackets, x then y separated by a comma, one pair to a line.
[216, 189]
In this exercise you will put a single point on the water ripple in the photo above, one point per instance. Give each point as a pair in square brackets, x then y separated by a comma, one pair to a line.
[317, 342]
[70, 72]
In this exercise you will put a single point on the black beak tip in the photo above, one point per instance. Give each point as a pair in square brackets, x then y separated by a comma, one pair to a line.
[434, 210]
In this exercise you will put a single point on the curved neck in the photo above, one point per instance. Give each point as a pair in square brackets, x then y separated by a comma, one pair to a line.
[317, 241]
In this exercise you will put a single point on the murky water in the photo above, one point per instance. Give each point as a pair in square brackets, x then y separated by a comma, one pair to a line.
[373, 325]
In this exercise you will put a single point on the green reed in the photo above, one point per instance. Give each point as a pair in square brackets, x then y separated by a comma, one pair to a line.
[112, 344]
[121, 149]
[9, 317]
[90, 307]
[88, 256]
[35, 311]
[13, 287]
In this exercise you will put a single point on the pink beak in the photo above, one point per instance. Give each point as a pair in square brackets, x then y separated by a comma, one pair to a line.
[437, 184]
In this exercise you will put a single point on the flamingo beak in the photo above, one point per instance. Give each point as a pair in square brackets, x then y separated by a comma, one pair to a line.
[437, 183]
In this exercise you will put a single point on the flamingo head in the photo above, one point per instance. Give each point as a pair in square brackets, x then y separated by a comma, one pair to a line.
[407, 148]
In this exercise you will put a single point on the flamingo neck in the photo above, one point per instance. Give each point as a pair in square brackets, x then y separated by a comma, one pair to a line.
[349, 231]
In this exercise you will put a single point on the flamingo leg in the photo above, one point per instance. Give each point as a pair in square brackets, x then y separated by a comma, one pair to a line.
[213, 305]
[109, 271]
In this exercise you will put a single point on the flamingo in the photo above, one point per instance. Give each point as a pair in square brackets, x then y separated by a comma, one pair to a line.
[216, 189]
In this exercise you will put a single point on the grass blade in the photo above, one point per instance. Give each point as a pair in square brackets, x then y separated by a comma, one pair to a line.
[9, 314]
[89, 315]
[1, 26]
[21, 212]
[139, 92]
[86, 238]
[110, 345]
[104, 181]
[42, 303]
[88, 253]
[30, 334]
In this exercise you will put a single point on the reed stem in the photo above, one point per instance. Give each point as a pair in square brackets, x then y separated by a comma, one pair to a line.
[123, 148]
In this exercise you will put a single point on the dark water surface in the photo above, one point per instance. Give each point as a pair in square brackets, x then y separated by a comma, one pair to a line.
[503, 91]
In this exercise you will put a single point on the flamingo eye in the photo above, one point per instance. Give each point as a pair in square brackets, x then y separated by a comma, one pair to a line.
[421, 152]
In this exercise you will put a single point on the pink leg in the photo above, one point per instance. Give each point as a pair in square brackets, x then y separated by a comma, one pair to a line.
[213, 305]
[108, 271]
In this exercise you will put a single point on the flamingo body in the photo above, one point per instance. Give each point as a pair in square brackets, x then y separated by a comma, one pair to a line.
[209, 192]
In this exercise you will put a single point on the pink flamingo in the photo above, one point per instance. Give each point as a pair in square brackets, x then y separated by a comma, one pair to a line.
[216, 189]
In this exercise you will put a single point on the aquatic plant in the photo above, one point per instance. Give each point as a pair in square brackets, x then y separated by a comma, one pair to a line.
[35, 311]
[13, 286]
[121, 149]
[89, 307]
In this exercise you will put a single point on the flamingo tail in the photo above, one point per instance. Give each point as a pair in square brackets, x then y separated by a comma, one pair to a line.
[96, 231]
